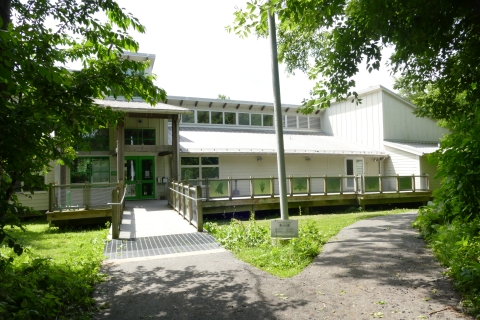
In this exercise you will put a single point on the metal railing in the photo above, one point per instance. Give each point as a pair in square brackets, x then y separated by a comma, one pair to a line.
[80, 196]
[233, 188]
[187, 201]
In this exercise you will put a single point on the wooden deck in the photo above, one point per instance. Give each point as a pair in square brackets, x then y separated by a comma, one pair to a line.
[79, 216]
[214, 206]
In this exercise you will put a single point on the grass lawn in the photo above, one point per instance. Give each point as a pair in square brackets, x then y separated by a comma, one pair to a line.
[250, 240]
[55, 276]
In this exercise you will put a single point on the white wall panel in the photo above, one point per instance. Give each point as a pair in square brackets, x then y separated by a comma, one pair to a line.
[401, 124]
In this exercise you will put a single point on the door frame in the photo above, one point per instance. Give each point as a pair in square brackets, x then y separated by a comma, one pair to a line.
[140, 182]
[347, 186]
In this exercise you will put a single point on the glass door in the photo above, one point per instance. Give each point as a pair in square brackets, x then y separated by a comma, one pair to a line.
[353, 167]
[140, 177]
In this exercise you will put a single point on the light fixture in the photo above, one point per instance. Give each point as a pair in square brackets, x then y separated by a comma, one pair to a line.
[259, 158]
[307, 159]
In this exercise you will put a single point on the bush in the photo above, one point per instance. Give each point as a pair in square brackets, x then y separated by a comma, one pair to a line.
[251, 242]
[456, 244]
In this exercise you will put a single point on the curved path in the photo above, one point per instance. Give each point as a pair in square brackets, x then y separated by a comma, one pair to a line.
[375, 268]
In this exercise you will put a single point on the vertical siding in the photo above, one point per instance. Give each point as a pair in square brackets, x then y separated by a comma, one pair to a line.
[401, 163]
[401, 124]
[431, 170]
[359, 123]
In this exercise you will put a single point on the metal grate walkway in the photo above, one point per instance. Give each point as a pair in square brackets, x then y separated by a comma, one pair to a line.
[159, 245]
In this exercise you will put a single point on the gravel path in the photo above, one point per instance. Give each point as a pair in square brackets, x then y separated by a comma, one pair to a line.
[375, 268]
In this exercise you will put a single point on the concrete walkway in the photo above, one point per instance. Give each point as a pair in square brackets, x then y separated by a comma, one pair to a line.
[375, 268]
[146, 218]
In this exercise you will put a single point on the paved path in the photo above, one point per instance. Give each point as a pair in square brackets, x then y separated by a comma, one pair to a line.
[374, 268]
[151, 218]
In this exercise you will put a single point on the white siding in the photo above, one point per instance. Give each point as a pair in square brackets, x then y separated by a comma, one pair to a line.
[401, 163]
[401, 124]
[359, 123]
[244, 166]
[38, 200]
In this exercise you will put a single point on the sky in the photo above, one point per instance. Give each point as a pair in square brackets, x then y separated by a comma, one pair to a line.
[197, 57]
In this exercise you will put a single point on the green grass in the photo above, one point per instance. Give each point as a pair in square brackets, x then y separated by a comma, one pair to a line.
[55, 276]
[250, 240]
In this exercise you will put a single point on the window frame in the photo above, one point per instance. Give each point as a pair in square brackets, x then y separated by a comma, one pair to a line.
[141, 139]
[90, 174]
[199, 166]
[21, 184]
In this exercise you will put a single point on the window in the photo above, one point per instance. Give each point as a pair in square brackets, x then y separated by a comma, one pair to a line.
[256, 120]
[244, 119]
[217, 117]
[37, 183]
[268, 120]
[90, 169]
[199, 168]
[97, 140]
[230, 118]
[139, 136]
[203, 116]
[188, 118]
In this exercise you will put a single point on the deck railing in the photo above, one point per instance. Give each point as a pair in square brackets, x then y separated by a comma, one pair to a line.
[188, 197]
[187, 201]
[80, 196]
[233, 188]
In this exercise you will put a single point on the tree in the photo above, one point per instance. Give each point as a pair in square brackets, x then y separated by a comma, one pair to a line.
[45, 108]
[223, 97]
[328, 39]
[437, 53]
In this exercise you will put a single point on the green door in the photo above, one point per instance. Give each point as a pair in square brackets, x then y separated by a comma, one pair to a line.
[140, 178]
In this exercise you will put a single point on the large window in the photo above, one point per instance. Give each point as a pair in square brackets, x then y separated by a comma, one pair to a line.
[256, 120]
[188, 118]
[90, 169]
[37, 183]
[97, 140]
[199, 168]
[268, 120]
[244, 119]
[139, 136]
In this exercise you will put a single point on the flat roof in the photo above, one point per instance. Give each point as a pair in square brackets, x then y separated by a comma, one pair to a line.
[261, 141]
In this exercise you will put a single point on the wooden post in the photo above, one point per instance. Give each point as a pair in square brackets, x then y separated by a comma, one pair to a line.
[290, 185]
[428, 182]
[363, 184]
[355, 184]
[272, 185]
[199, 210]
[184, 202]
[229, 188]
[86, 196]
[413, 183]
[190, 204]
[252, 193]
[380, 187]
[309, 191]
[207, 182]
[51, 197]
[115, 216]
[325, 184]
[397, 184]
[341, 184]
[121, 151]
[175, 147]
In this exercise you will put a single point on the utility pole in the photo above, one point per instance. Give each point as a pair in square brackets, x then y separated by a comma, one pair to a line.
[277, 105]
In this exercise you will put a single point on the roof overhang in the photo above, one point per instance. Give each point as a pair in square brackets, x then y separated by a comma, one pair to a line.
[141, 107]
[416, 148]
